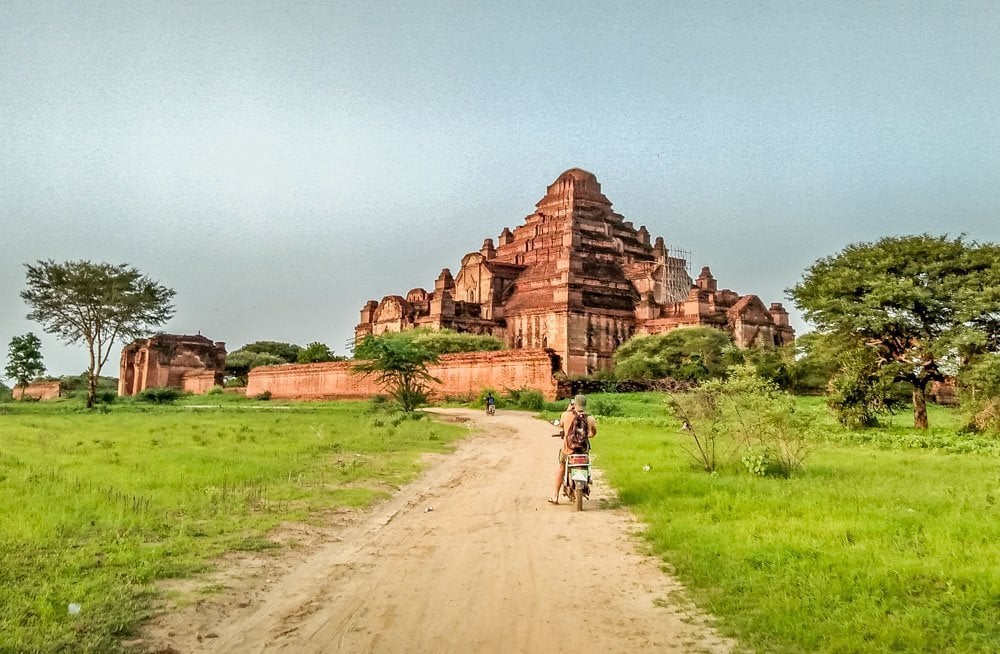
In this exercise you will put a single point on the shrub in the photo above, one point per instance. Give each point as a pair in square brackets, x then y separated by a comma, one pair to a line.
[215, 390]
[527, 399]
[481, 398]
[263, 397]
[607, 407]
[980, 394]
[744, 413]
[159, 395]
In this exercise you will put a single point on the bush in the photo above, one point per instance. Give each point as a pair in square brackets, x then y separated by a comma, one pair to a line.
[691, 353]
[159, 395]
[526, 399]
[263, 397]
[980, 394]
[215, 390]
[748, 414]
[480, 400]
[607, 407]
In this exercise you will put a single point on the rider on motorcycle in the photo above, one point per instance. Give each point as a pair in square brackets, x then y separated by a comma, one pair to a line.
[491, 404]
[579, 405]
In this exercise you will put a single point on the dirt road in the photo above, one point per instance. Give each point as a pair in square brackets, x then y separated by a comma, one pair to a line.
[470, 558]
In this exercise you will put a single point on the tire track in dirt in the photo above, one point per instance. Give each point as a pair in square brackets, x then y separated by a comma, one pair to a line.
[470, 558]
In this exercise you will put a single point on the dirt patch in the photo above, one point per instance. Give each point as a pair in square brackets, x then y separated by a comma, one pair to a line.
[468, 558]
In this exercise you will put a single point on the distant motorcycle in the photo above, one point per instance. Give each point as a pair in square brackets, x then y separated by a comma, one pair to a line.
[491, 409]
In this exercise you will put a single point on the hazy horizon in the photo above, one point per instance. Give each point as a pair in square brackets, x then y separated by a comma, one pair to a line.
[278, 165]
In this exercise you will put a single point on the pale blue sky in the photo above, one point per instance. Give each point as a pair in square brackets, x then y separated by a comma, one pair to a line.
[280, 163]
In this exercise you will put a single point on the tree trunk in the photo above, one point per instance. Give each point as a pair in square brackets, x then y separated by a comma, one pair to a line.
[919, 406]
[91, 389]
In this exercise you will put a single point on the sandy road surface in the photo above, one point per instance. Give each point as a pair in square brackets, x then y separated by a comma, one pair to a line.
[470, 558]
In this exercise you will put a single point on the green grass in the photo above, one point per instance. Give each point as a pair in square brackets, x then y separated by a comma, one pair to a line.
[99, 505]
[887, 541]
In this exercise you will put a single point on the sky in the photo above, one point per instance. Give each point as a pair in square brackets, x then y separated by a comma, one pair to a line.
[278, 164]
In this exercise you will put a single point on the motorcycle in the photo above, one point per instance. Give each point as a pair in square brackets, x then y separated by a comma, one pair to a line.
[576, 478]
[491, 409]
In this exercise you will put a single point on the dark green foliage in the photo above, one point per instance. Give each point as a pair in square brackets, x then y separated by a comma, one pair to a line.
[287, 352]
[980, 392]
[317, 353]
[241, 362]
[921, 303]
[695, 353]
[446, 341]
[526, 399]
[24, 359]
[97, 304]
[399, 364]
[861, 390]
[816, 359]
[263, 397]
[159, 395]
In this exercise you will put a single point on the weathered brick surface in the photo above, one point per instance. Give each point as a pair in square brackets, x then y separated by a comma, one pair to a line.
[459, 374]
[200, 381]
[165, 360]
[43, 390]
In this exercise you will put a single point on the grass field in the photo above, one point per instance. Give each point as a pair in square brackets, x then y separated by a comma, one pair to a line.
[887, 541]
[99, 505]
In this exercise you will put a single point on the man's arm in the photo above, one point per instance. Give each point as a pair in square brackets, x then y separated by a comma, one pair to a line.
[593, 426]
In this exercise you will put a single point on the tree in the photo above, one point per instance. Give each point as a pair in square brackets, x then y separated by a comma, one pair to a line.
[317, 353]
[695, 353]
[399, 364]
[447, 341]
[241, 362]
[922, 303]
[24, 360]
[289, 352]
[96, 303]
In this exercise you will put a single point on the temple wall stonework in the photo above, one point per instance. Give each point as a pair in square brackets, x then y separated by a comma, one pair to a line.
[459, 375]
[184, 362]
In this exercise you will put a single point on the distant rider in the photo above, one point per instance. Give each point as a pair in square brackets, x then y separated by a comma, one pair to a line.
[579, 405]
[491, 404]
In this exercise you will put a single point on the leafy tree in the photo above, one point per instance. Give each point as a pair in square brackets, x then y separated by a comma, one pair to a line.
[980, 388]
[288, 352]
[241, 362]
[399, 364]
[921, 303]
[96, 303]
[695, 353]
[317, 353]
[24, 360]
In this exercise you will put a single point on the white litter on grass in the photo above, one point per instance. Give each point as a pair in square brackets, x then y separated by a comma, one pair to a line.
[74, 609]
[646, 468]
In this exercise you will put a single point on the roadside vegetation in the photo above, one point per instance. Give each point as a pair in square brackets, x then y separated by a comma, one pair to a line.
[885, 539]
[100, 505]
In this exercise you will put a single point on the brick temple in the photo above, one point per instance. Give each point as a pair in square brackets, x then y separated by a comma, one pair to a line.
[185, 362]
[578, 279]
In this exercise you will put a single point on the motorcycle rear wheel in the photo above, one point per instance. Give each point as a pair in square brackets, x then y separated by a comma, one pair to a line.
[578, 494]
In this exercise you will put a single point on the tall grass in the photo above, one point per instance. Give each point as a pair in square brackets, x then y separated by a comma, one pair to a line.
[97, 506]
[889, 540]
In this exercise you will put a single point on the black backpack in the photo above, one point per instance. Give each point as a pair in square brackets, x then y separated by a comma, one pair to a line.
[578, 439]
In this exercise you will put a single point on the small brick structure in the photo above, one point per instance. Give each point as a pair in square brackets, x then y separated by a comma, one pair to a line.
[579, 279]
[40, 390]
[188, 363]
[459, 374]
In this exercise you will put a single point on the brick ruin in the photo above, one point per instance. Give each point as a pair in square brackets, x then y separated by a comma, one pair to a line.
[577, 279]
[188, 363]
[462, 375]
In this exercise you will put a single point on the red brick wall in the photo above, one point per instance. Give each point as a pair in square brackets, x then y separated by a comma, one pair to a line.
[460, 374]
[199, 382]
[47, 390]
